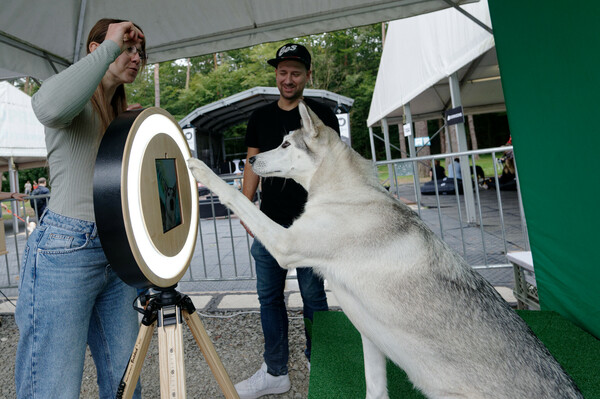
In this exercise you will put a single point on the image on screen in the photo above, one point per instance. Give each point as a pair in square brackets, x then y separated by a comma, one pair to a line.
[168, 193]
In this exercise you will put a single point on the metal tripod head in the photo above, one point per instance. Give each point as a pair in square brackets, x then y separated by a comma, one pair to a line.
[165, 298]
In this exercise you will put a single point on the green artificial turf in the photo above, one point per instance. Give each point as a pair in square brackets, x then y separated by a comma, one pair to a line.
[337, 360]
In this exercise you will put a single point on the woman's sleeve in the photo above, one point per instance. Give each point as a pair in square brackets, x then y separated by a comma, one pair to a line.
[62, 97]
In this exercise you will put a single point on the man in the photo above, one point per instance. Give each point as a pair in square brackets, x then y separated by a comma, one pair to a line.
[453, 168]
[27, 187]
[283, 201]
[40, 202]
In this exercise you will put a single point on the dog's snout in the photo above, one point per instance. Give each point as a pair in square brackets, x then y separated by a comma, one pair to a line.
[251, 160]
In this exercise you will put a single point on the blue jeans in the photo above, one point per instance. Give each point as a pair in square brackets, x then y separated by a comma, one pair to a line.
[69, 296]
[270, 285]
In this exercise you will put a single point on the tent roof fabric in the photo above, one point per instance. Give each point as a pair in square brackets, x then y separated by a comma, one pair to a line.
[35, 32]
[21, 134]
[419, 55]
[230, 111]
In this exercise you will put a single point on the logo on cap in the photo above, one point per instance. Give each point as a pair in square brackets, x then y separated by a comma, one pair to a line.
[285, 49]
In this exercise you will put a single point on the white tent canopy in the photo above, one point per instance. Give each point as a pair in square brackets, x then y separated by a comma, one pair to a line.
[22, 140]
[40, 38]
[420, 54]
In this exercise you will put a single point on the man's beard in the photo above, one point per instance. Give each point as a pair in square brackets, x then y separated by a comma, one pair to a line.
[294, 95]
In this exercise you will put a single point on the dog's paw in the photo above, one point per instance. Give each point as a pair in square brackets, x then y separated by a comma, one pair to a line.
[199, 169]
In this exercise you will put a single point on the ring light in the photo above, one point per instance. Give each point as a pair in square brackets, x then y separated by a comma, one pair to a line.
[145, 198]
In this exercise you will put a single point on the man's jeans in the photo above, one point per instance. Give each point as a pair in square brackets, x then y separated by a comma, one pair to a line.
[273, 314]
[69, 296]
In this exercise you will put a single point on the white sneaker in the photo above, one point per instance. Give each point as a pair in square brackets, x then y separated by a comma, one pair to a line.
[263, 383]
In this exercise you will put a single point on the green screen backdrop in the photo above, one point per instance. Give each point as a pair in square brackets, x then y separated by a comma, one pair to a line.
[549, 58]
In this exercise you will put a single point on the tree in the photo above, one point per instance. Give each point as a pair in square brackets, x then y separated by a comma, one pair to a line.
[344, 62]
[24, 175]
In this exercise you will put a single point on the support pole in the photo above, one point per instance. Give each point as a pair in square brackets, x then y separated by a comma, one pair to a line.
[373, 154]
[13, 179]
[388, 152]
[413, 152]
[462, 146]
[78, 39]
[403, 152]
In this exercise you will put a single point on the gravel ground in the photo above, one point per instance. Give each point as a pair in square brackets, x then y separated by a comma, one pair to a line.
[237, 339]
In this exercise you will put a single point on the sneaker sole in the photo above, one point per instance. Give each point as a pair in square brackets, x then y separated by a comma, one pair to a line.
[272, 391]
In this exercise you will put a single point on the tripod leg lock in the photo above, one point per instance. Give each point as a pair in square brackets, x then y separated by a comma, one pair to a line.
[150, 313]
[187, 304]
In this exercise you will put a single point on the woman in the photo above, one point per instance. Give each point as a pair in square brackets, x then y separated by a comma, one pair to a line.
[68, 294]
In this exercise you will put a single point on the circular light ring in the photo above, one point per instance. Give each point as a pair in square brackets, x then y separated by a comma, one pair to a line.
[126, 199]
[153, 262]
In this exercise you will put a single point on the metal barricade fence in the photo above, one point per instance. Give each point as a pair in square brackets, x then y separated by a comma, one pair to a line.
[222, 259]
[14, 233]
[496, 223]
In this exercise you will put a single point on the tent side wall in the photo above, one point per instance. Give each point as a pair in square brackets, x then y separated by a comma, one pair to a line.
[549, 61]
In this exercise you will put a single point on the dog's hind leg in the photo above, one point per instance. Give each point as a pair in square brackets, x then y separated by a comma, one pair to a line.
[375, 370]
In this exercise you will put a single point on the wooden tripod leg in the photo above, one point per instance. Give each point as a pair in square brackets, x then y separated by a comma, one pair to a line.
[134, 367]
[170, 358]
[210, 354]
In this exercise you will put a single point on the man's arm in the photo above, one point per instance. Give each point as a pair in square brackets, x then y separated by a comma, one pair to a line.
[251, 179]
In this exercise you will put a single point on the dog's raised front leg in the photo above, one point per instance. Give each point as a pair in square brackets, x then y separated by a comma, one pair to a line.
[375, 370]
[267, 231]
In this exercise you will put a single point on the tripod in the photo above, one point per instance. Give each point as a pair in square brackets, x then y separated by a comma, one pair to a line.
[167, 309]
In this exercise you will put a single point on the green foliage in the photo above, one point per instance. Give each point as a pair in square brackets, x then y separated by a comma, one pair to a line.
[24, 175]
[344, 62]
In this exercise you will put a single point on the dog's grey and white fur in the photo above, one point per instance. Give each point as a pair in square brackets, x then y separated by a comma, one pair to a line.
[411, 297]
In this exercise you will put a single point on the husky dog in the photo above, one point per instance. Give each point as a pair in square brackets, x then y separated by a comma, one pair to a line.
[411, 297]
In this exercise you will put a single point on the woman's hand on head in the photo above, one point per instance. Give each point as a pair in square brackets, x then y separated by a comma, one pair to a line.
[125, 34]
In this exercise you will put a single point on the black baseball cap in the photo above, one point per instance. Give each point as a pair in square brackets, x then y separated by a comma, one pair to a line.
[291, 51]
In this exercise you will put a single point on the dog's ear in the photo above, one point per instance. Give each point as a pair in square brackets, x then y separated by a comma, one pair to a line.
[310, 121]
[307, 123]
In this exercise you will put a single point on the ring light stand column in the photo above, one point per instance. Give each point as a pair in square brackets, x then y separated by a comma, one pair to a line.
[146, 209]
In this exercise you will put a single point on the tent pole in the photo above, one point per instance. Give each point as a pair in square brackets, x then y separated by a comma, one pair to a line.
[413, 152]
[388, 153]
[13, 178]
[462, 146]
[224, 151]
[373, 154]
[403, 153]
[77, 49]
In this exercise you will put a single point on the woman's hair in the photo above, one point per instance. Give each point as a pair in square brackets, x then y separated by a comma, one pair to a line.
[119, 101]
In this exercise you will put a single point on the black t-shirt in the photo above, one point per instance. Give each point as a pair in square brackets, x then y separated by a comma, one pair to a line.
[282, 199]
